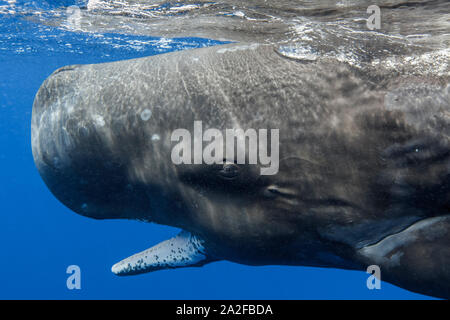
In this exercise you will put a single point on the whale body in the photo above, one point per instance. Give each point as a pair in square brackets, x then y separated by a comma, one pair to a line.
[363, 164]
[361, 117]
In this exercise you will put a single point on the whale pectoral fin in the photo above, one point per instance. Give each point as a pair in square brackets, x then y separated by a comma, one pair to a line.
[184, 250]
[417, 258]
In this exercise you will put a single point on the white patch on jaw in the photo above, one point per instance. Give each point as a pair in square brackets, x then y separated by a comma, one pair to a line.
[184, 250]
[99, 121]
[156, 137]
[146, 115]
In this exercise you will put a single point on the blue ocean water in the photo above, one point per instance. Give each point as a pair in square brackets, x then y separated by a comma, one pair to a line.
[40, 237]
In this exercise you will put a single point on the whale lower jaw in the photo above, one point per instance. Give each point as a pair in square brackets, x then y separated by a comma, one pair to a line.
[184, 250]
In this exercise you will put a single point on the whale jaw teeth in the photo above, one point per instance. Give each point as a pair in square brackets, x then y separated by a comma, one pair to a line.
[184, 250]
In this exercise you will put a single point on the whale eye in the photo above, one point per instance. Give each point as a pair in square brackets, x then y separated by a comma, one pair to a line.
[230, 170]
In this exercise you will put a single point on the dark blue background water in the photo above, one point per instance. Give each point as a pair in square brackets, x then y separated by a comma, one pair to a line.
[40, 238]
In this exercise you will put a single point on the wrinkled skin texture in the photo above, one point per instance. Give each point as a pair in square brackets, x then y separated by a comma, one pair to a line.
[364, 155]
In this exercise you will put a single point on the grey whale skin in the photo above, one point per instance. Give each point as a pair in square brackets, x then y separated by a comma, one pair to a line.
[364, 160]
